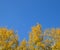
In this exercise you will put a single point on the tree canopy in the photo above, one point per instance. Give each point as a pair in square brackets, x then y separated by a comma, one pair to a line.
[38, 39]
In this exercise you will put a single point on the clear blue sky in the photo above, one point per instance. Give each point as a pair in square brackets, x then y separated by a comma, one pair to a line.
[21, 15]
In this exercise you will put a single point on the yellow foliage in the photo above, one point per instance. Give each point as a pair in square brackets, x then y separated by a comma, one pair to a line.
[36, 41]
[7, 39]
[56, 46]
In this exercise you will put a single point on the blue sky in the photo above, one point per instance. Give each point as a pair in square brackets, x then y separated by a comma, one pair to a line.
[21, 15]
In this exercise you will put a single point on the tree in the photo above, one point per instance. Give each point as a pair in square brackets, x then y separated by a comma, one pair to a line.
[35, 38]
[8, 40]
[38, 39]
[54, 37]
